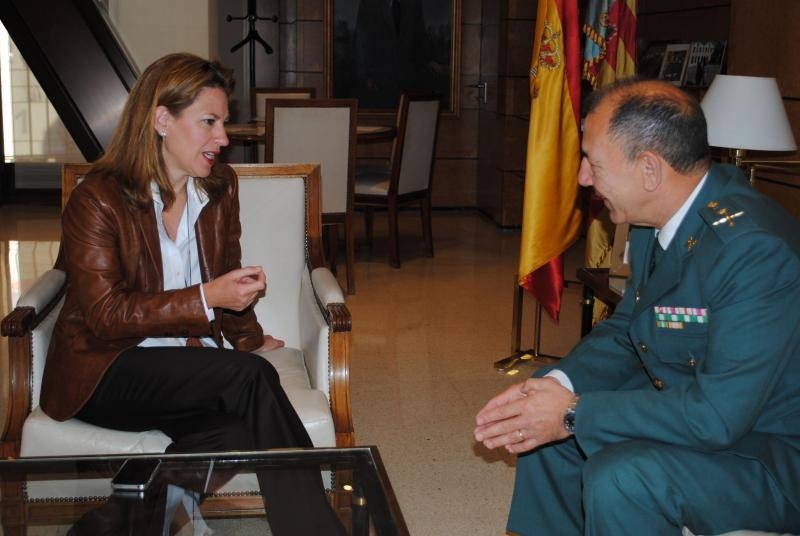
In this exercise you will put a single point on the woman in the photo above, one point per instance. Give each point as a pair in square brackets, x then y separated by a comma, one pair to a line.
[151, 250]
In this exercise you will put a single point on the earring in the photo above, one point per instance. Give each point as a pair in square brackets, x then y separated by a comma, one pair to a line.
[163, 134]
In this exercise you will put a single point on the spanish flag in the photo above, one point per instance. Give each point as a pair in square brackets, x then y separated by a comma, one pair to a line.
[609, 54]
[551, 216]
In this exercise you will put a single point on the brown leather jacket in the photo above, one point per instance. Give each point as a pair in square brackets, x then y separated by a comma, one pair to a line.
[112, 258]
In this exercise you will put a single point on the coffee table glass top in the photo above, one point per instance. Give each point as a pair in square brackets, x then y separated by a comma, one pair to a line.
[361, 492]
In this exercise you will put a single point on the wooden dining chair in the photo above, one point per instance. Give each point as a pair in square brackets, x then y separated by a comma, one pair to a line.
[320, 131]
[71, 175]
[408, 175]
[258, 107]
[260, 95]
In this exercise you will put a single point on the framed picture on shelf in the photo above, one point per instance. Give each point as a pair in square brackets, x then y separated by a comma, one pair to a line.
[650, 60]
[673, 67]
[705, 62]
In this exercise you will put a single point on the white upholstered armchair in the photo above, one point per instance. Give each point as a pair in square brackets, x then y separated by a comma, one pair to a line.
[304, 305]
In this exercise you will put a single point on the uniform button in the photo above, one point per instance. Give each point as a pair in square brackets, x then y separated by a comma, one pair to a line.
[658, 384]
[691, 362]
[643, 347]
[637, 296]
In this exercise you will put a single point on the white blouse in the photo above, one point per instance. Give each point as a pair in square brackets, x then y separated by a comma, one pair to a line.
[179, 258]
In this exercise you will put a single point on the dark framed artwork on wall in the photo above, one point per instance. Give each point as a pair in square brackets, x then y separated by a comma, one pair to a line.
[377, 49]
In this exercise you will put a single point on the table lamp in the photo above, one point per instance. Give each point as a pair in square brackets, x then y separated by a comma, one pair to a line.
[747, 113]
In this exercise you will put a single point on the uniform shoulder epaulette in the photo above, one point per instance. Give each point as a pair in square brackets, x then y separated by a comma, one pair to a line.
[728, 218]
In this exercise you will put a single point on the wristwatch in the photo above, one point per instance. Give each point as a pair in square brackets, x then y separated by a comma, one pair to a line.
[569, 415]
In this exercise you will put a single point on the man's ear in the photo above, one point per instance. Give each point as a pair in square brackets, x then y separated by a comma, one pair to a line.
[651, 168]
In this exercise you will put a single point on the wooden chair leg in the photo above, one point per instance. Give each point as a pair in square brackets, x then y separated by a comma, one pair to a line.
[427, 230]
[394, 247]
[350, 254]
[13, 509]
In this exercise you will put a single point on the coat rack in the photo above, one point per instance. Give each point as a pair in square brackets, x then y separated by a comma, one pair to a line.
[252, 37]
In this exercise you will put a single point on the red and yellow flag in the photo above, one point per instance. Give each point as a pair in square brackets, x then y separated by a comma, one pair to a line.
[609, 54]
[551, 216]
[610, 50]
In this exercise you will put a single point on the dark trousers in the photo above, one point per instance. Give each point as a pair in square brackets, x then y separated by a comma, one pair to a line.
[644, 487]
[211, 400]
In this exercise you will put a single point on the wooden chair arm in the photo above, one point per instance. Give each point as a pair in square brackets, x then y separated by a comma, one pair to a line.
[330, 299]
[341, 407]
[17, 327]
[33, 307]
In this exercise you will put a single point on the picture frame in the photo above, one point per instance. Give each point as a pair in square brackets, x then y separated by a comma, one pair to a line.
[673, 67]
[706, 60]
[374, 51]
[648, 63]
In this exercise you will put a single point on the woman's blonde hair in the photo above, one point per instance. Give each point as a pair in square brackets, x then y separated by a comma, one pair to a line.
[133, 157]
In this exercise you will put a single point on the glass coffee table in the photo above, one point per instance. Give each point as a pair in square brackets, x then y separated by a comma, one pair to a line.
[361, 493]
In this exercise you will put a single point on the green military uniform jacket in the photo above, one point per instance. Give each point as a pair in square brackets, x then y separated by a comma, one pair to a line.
[704, 353]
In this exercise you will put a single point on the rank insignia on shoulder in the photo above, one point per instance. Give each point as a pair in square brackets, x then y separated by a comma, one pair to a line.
[690, 243]
[727, 217]
[676, 317]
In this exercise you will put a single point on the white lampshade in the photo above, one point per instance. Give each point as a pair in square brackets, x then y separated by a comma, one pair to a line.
[747, 112]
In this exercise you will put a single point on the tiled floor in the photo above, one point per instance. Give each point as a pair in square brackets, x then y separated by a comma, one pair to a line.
[423, 343]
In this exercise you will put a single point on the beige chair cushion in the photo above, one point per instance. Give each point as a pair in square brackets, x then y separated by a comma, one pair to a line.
[373, 180]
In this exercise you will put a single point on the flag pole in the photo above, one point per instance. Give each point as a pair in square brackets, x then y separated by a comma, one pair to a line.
[517, 354]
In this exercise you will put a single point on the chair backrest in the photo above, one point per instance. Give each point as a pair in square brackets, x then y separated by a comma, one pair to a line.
[71, 176]
[321, 131]
[260, 95]
[281, 228]
[415, 145]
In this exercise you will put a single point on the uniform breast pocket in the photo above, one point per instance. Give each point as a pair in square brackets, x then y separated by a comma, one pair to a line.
[684, 347]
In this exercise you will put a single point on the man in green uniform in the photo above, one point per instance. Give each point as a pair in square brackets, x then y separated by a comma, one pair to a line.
[682, 409]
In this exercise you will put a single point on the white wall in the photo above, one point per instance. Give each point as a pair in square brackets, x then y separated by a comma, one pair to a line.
[152, 28]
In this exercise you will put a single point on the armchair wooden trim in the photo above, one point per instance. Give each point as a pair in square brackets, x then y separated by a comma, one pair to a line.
[17, 327]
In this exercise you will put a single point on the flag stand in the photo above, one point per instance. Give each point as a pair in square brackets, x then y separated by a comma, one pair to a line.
[518, 355]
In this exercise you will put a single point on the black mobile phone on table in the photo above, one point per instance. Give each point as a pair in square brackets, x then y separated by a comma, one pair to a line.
[135, 474]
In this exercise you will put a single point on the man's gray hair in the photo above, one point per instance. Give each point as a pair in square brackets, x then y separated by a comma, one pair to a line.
[647, 117]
